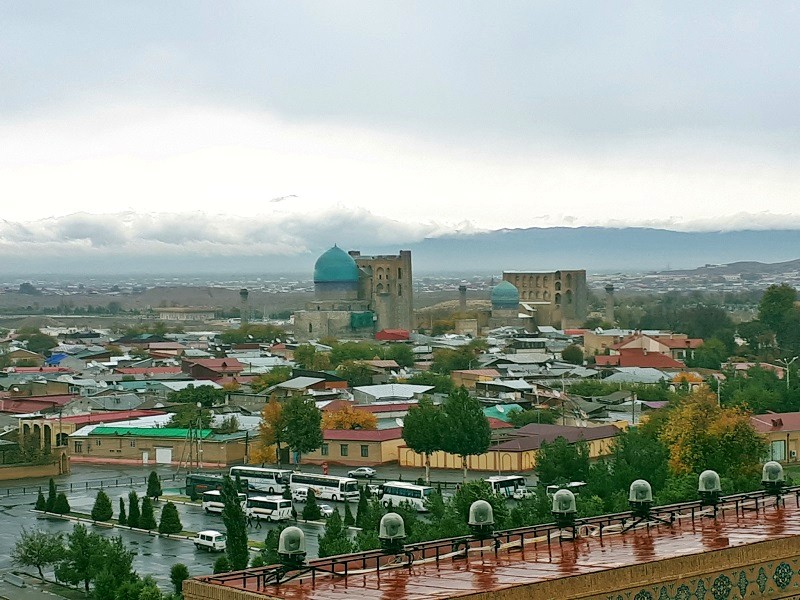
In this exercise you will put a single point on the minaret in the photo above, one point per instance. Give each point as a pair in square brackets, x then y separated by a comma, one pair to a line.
[609, 303]
[462, 298]
[244, 306]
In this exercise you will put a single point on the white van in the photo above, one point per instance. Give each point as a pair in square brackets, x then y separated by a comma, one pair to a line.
[300, 494]
[212, 541]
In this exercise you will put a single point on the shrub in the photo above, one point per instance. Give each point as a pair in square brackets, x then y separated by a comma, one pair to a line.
[170, 520]
[102, 510]
[61, 506]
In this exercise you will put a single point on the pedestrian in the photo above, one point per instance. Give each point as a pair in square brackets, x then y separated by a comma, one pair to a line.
[249, 520]
[294, 514]
[258, 523]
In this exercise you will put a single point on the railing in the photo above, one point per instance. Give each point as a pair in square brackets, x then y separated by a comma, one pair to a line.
[91, 484]
[511, 540]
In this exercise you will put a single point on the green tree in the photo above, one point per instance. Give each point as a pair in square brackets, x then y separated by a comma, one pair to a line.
[122, 519]
[41, 503]
[51, 495]
[302, 420]
[177, 575]
[311, 510]
[37, 548]
[86, 555]
[709, 355]
[154, 490]
[148, 519]
[446, 360]
[775, 304]
[307, 356]
[222, 565]
[560, 461]
[402, 354]
[442, 384]
[478, 489]
[170, 520]
[466, 428]
[335, 539]
[206, 395]
[572, 354]
[273, 377]
[102, 510]
[424, 430]
[520, 418]
[363, 507]
[186, 416]
[61, 507]
[355, 372]
[349, 520]
[270, 550]
[235, 525]
[133, 510]
[39, 342]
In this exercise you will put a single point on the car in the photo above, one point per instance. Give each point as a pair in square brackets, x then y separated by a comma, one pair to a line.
[300, 494]
[362, 472]
[374, 489]
[211, 541]
[326, 510]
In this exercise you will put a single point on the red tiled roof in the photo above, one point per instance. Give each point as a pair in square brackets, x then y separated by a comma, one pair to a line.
[383, 364]
[678, 343]
[148, 370]
[478, 372]
[637, 357]
[363, 435]
[776, 422]
[218, 364]
[498, 424]
[31, 404]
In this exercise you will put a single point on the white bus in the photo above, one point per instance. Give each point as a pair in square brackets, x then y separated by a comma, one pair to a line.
[326, 486]
[262, 479]
[268, 508]
[510, 486]
[400, 491]
[212, 501]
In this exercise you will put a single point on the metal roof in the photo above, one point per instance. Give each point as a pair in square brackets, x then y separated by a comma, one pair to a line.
[160, 432]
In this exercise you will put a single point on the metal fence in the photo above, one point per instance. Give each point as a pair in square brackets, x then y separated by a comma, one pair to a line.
[91, 484]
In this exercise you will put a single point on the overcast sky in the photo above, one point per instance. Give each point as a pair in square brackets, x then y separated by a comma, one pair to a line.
[380, 122]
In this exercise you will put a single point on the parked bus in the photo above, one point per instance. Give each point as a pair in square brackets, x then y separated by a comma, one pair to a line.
[326, 486]
[263, 479]
[198, 483]
[510, 486]
[212, 501]
[395, 492]
[269, 508]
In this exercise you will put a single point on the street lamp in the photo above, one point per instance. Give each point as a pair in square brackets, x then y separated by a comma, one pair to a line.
[787, 363]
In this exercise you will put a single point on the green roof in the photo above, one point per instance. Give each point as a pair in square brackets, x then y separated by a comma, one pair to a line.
[495, 411]
[505, 295]
[335, 266]
[162, 432]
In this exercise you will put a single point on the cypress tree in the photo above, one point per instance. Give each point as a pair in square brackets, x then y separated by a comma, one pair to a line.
[335, 540]
[235, 526]
[122, 519]
[349, 521]
[102, 510]
[154, 490]
[311, 510]
[363, 508]
[51, 495]
[41, 503]
[170, 520]
[133, 510]
[61, 505]
[148, 519]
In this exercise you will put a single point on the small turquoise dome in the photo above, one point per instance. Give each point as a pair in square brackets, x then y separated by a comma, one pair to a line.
[505, 296]
[335, 266]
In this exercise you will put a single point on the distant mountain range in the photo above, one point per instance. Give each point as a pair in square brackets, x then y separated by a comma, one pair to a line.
[742, 268]
[597, 249]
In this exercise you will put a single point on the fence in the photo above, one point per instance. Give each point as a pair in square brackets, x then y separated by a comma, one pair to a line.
[91, 484]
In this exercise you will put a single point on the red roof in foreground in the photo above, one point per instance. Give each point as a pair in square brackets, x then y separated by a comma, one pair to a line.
[776, 422]
[362, 435]
[636, 357]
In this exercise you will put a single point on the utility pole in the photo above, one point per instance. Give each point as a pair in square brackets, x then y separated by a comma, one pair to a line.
[787, 363]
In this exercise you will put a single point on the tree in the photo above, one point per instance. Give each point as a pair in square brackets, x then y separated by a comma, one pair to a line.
[349, 521]
[446, 360]
[133, 510]
[709, 355]
[186, 416]
[267, 380]
[478, 489]
[154, 490]
[222, 565]
[355, 372]
[308, 357]
[206, 395]
[572, 354]
[349, 418]
[51, 495]
[466, 428]
[561, 461]
[272, 432]
[520, 418]
[701, 435]
[61, 506]
[235, 525]
[302, 420]
[122, 519]
[177, 575]
[170, 520]
[311, 510]
[442, 384]
[424, 430]
[270, 550]
[362, 508]
[335, 539]
[87, 555]
[402, 354]
[102, 510]
[37, 548]
[148, 519]
[39, 342]
[41, 503]
[775, 304]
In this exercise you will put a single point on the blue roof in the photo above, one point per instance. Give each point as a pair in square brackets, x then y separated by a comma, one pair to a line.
[335, 265]
[505, 295]
[54, 359]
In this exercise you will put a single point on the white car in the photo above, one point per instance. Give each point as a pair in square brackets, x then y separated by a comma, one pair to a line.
[211, 541]
[362, 472]
[374, 489]
[326, 510]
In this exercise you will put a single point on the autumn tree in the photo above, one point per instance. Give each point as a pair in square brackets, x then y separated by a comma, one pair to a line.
[272, 433]
[423, 430]
[349, 418]
[466, 428]
[308, 357]
[701, 435]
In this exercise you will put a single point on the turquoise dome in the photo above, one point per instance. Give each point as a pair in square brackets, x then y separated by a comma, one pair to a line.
[335, 266]
[505, 296]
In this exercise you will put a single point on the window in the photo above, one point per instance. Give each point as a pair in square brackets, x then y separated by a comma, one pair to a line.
[399, 273]
[344, 450]
[133, 443]
[399, 289]
[97, 442]
[364, 451]
[324, 450]
[78, 447]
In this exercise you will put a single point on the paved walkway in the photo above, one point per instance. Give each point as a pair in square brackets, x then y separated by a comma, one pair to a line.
[33, 590]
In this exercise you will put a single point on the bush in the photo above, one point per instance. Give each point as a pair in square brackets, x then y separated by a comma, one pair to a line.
[102, 510]
[170, 520]
[222, 565]
[51, 496]
[177, 575]
[311, 510]
[258, 561]
[61, 506]
[41, 503]
[148, 519]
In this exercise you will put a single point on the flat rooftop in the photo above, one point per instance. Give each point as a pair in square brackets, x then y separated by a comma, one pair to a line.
[487, 572]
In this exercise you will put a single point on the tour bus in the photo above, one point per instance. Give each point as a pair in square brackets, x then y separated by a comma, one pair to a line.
[395, 492]
[326, 486]
[510, 486]
[263, 479]
[268, 508]
[212, 501]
